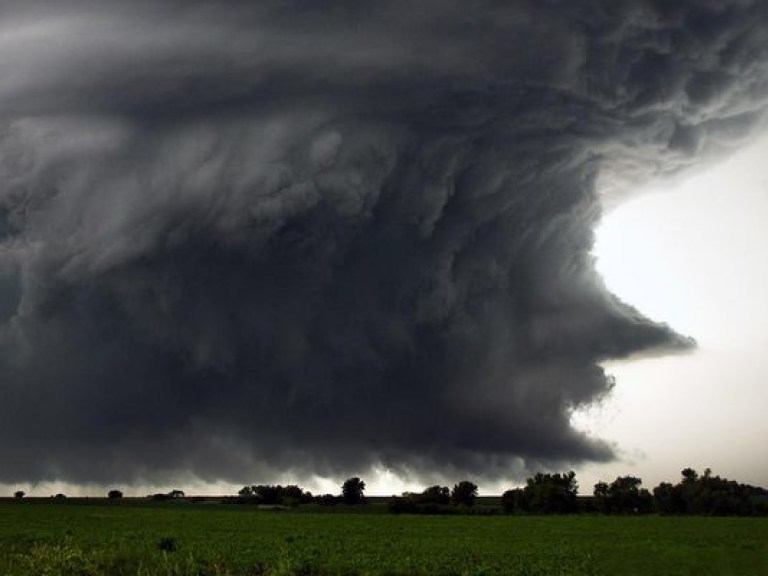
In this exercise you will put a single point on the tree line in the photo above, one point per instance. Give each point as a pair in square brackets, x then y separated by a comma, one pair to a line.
[543, 493]
[549, 493]
[352, 493]
[694, 494]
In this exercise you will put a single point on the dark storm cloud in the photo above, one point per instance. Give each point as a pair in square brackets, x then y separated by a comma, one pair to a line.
[244, 238]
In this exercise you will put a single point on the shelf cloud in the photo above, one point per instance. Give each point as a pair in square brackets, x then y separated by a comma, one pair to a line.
[239, 239]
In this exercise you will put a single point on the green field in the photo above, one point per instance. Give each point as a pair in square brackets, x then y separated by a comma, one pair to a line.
[101, 537]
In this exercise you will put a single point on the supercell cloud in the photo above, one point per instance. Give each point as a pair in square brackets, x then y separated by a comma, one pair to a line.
[239, 239]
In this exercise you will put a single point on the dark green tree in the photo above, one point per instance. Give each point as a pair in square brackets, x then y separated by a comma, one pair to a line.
[623, 496]
[551, 493]
[433, 500]
[513, 501]
[293, 495]
[327, 499]
[465, 493]
[352, 491]
[268, 494]
[435, 495]
[668, 499]
[272, 495]
[114, 494]
[689, 476]
[709, 495]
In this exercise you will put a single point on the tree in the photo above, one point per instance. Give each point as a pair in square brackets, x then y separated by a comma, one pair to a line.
[433, 500]
[19, 494]
[623, 496]
[668, 499]
[176, 494]
[327, 500]
[352, 491]
[602, 497]
[274, 495]
[293, 495]
[435, 495]
[708, 494]
[245, 492]
[465, 492]
[551, 493]
[513, 501]
[114, 494]
[690, 475]
[268, 494]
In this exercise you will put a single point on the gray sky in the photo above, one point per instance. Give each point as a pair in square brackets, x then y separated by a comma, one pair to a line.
[241, 243]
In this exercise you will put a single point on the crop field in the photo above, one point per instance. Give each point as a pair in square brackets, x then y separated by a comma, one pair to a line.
[181, 538]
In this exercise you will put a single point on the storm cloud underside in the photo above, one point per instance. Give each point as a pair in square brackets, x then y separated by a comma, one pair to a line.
[243, 239]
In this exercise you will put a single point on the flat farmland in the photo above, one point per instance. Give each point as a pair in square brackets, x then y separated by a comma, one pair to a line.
[181, 538]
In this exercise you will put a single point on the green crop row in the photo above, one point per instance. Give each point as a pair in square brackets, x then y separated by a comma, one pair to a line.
[52, 539]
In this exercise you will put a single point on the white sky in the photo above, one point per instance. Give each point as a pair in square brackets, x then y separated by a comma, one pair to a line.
[694, 255]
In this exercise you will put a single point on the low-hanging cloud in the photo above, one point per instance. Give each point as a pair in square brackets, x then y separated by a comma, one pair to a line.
[247, 238]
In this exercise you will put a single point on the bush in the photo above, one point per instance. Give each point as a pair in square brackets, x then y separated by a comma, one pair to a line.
[62, 559]
[513, 501]
[168, 544]
[327, 500]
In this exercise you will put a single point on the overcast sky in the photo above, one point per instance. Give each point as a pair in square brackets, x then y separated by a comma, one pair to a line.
[247, 242]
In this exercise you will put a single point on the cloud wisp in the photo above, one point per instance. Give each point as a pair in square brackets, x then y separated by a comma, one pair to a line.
[240, 240]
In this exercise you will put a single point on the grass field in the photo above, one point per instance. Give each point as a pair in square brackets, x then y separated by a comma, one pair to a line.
[180, 538]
